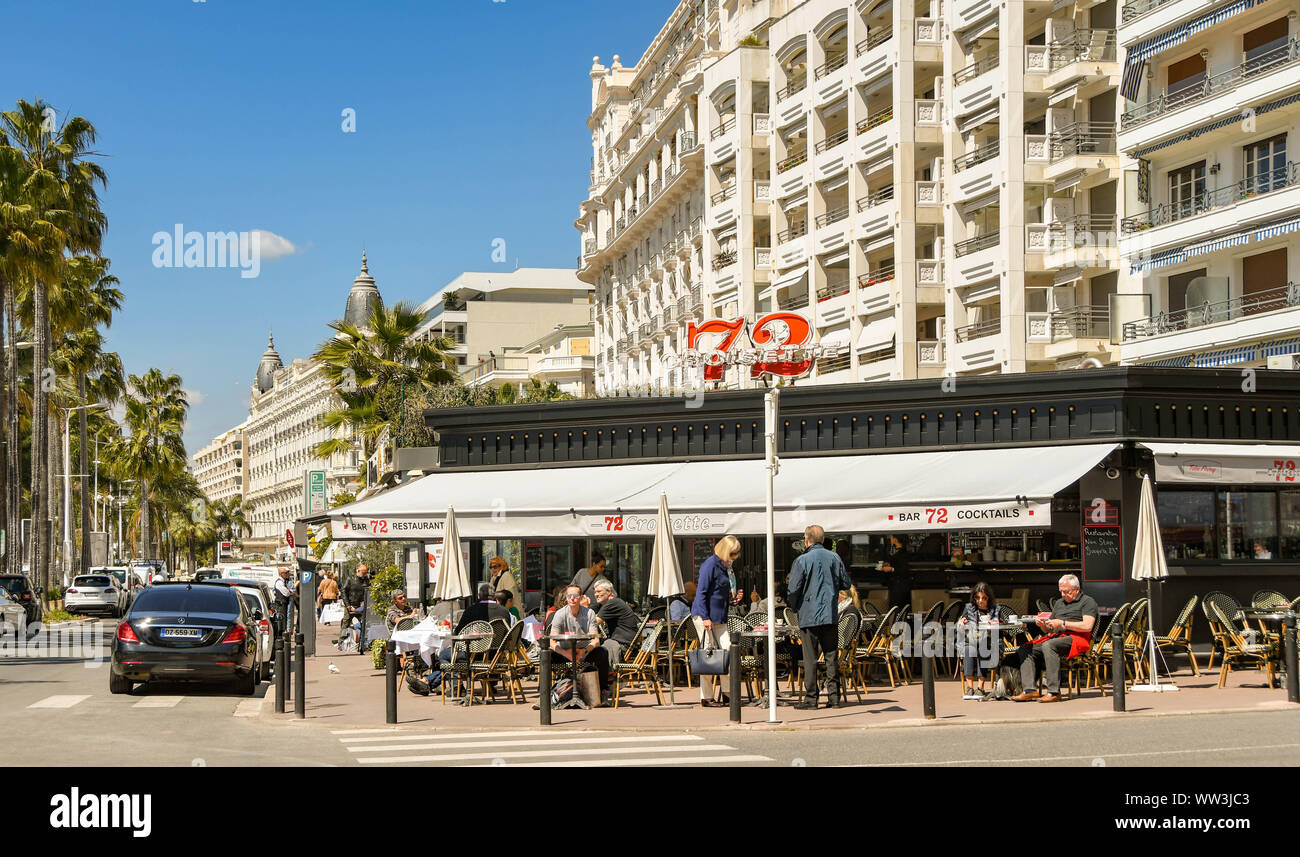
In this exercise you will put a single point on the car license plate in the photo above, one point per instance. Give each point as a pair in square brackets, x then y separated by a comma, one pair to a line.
[181, 633]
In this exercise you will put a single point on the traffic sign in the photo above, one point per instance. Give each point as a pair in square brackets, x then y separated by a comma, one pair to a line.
[288, 537]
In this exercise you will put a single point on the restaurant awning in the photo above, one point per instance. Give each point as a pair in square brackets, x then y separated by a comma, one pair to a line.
[1227, 463]
[957, 490]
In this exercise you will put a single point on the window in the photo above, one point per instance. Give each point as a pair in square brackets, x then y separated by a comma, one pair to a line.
[1186, 190]
[1258, 44]
[1186, 72]
[1265, 168]
[1186, 523]
[1177, 293]
[1246, 519]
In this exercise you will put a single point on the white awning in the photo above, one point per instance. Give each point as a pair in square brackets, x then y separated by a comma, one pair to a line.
[790, 278]
[837, 336]
[1227, 463]
[950, 490]
[877, 334]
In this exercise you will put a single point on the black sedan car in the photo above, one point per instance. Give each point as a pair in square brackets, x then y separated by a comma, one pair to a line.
[187, 632]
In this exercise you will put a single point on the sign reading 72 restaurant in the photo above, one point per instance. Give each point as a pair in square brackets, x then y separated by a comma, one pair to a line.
[780, 343]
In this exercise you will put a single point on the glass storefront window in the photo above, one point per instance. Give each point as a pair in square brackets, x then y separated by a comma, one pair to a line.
[1187, 524]
[1290, 525]
[1247, 525]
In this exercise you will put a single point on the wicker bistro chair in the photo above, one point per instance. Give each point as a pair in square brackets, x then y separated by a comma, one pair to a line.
[1295, 605]
[1228, 608]
[1086, 664]
[1268, 599]
[1135, 639]
[753, 667]
[673, 651]
[1043, 606]
[1179, 638]
[500, 664]
[1101, 652]
[880, 650]
[1238, 653]
[641, 666]
[464, 654]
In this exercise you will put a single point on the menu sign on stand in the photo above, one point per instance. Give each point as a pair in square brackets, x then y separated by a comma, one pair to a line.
[533, 563]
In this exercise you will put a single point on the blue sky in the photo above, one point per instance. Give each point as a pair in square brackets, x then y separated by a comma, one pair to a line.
[227, 115]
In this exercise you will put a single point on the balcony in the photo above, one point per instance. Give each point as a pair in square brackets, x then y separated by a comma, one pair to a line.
[975, 157]
[834, 62]
[589, 247]
[1285, 297]
[723, 195]
[792, 302]
[879, 37]
[495, 370]
[722, 260]
[833, 289]
[1268, 181]
[875, 120]
[697, 227]
[687, 141]
[881, 274]
[1081, 322]
[1140, 7]
[884, 194]
[1267, 61]
[1082, 138]
[722, 129]
[1084, 45]
[669, 318]
[696, 299]
[791, 162]
[1082, 230]
[978, 330]
[564, 365]
[831, 141]
[797, 230]
[974, 70]
[827, 365]
[834, 215]
[974, 245]
[646, 330]
[796, 85]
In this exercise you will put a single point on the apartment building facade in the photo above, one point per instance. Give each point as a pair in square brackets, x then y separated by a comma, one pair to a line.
[934, 187]
[221, 467]
[1213, 208]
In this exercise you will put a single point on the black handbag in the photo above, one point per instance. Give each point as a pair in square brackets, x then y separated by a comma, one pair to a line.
[709, 661]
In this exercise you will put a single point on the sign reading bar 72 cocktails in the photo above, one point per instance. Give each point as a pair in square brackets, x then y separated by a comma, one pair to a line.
[780, 344]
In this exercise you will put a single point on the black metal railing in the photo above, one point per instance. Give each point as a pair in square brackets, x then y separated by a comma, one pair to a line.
[1262, 62]
[1083, 46]
[834, 289]
[880, 355]
[974, 245]
[792, 302]
[1283, 297]
[875, 120]
[1082, 138]
[826, 365]
[1081, 322]
[723, 128]
[793, 161]
[723, 195]
[833, 140]
[1205, 201]
[1141, 7]
[796, 84]
[795, 231]
[834, 215]
[978, 329]
[834, 62]
[883, 274]
[875, 39]
[975, 157]
[975, 69]
[884, 194]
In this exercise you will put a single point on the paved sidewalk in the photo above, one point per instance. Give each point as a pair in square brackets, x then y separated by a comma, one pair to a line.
[354, 698]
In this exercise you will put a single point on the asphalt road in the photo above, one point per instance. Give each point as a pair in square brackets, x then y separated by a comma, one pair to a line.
[62, 708]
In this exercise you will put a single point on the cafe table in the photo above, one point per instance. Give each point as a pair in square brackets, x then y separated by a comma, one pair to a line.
[575, 700]
[428, 638]
[760, 633]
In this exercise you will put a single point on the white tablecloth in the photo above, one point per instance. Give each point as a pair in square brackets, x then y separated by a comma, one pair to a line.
[428, 638]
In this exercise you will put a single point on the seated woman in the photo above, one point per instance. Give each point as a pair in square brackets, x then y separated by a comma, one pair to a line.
[982, 609]
[849, 600]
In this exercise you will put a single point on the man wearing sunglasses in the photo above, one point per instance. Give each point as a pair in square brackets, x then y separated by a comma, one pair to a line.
[573, 618]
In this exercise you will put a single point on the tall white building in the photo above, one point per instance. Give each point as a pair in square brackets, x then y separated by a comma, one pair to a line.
[935, 187]
[1213, 216]
[221, 467]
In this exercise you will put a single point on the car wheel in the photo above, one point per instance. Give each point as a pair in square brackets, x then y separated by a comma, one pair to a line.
[247, 685]
[268, 672]
[119, 683]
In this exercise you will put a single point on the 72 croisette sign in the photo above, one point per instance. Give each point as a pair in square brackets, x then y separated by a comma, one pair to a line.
[779, 343]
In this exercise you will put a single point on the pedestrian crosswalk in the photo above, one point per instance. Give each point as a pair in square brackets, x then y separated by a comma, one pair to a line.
[244, 708]
[531, 747]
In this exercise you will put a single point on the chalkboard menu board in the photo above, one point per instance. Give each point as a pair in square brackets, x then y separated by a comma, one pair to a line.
[1103, 553]
[701, 549]
[534, 561]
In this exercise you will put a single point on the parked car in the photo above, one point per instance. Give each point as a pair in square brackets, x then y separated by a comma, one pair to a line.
[207, 574]
[187, 632]
[12, 617]
[259, 600]
[20, 591]
[96, 592]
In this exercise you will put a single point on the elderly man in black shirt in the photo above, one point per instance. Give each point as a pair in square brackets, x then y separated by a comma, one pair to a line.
[1069, 633]
[617, 620]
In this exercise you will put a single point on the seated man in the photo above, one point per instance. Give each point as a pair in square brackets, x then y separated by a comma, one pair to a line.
[506, 599]
[617, 621]
[485, 610]
[679, 606]
[576, 619]
[1071, 622]
[399, 610]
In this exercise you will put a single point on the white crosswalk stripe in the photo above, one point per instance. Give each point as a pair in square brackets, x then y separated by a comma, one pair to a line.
[529, 747]
[159, 702]
[60, 701]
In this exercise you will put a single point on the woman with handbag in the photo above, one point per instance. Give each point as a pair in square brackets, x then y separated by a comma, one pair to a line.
[713, 594]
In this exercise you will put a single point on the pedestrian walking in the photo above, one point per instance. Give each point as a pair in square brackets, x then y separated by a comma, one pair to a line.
[709, 610]
[356, 594]
[816, 578]
[329, 593]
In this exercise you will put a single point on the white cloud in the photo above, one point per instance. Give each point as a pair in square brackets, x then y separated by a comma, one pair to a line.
[194, 397]
[274, 246]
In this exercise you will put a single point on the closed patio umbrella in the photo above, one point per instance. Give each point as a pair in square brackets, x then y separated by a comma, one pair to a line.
[1149, 564]
[666, 581]
[453, 577]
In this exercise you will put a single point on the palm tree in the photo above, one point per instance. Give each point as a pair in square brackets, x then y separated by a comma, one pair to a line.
[153, 452]
[230, 518]
[193, 526]
[51, 208]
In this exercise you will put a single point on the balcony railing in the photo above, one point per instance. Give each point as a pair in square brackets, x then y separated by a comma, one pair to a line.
[879, 37]
[722, 260]
[827, 365]
[697, 298]
[1083, 46]
[876, 197]
[645, 330]
[798, 230]
[1265, 182]
[722, 129]
[1262, 63]
[974, 245]
[833, 140]
[492, 365]
[1082, 230]
[1081, 322]
[1284, 297]
[880, 355]
[975, 157]
[875, 120]
[687, 141]
[978, 329]
[793, 161]
[882, 274]
[1082, 138]
[589, 246]
[797, 84]
[696, 225]
[834, 62]
[834, 215]
[834, 289]
[641, 202]
[974, 70]
[723, 195]
[655, 187]
[792, 302]
[669, 317]
[1140, 7]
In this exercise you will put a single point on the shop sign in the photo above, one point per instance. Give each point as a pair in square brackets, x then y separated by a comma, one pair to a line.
[964, 516]
[1246, 470]
[644, 525]
[398, 528]
[779, 344]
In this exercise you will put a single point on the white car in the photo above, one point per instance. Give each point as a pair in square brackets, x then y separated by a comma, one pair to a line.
[13, 616]
[95, 593]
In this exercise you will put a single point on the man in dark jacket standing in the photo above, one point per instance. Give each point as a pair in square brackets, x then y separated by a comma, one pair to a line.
[355, 595]
[816, 579]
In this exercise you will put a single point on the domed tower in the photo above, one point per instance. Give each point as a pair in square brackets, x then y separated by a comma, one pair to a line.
[364, 297]
[267, 368]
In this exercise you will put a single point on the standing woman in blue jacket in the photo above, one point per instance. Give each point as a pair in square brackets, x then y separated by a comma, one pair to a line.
[709, 610]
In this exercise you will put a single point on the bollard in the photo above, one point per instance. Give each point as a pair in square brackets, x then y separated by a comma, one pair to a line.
[927, 678]
[544, 684]
[733, 683]
[288, 666]
[281, 675]
[390, 682]
[299, 677]
[1289, 640]
[1117, 662]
